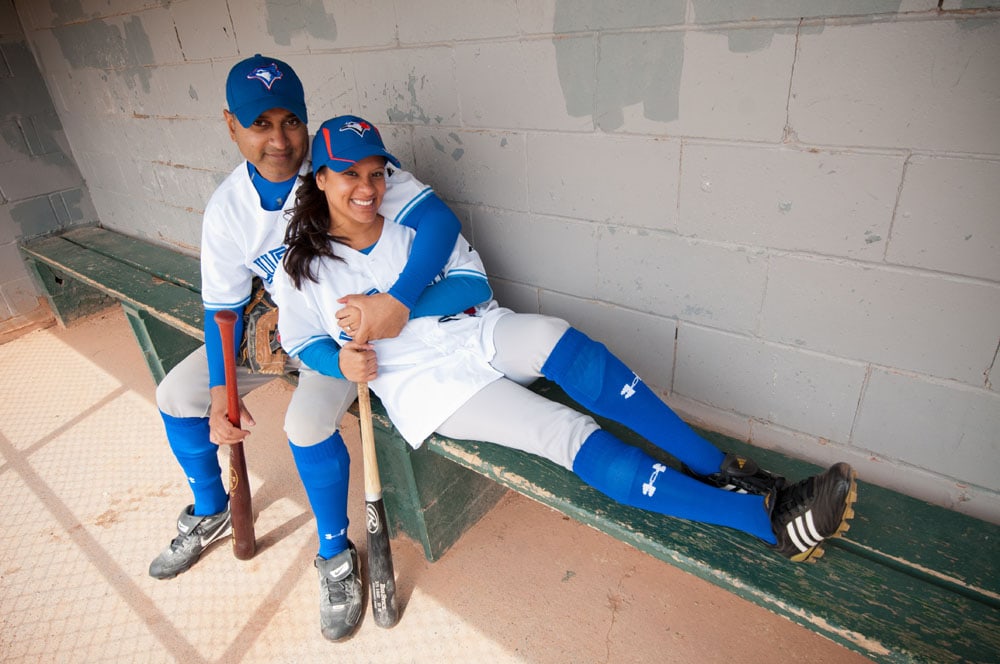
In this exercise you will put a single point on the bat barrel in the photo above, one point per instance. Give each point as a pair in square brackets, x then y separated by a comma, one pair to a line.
[381, 574]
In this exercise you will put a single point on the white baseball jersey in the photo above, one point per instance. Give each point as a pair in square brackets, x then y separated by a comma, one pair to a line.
[240, 239]
[433, 366]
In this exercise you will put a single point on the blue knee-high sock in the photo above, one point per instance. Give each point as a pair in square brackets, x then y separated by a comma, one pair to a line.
[632, 477]
[325, 472]
[598, 380]
[199, 458]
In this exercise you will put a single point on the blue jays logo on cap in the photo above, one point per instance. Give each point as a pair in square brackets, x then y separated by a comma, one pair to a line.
[358, 127]
[266, 75]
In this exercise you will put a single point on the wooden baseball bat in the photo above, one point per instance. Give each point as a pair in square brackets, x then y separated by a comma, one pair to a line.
[381, 576]
[240, 506]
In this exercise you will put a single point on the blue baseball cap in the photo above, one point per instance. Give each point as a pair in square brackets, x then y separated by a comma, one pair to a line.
[259, 84]
[345, 140]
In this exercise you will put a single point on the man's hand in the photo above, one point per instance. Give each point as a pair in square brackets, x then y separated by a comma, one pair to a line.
[221, 430]
[358, 362]
[369, 317]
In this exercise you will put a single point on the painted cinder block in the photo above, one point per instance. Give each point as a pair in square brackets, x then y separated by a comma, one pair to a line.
[832, 203]
[304, 27]
[205, 30]
[199, 143]
[947, 218]
[927, 85]
[415, 86]
[642, 341]
[575, 16]
[728, 84]
[40, 175]
[622, 180]
[22, 91]
[913, 321]
[771, 382]
[666, 275]
[161, 45]
[187, 91]
[183, 187]
[328, 80]
[526, 84]
[945, 427]
[561, 253]
[518, 297]
[711, 11]
[449, 20]
[482, 168]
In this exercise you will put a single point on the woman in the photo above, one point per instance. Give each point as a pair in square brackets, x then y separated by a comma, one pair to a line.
[464, 375]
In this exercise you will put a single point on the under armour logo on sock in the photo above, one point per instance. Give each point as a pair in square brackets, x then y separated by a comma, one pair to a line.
[629, 389]
[648, 488]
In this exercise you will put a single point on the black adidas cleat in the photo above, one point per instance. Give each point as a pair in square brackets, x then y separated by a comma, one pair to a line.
[741, 475]
[818, 508]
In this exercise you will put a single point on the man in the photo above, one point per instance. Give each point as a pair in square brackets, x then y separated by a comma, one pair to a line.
[243, 239]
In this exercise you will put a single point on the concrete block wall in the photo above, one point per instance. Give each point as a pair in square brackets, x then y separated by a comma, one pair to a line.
[781, 214]
[41, 188]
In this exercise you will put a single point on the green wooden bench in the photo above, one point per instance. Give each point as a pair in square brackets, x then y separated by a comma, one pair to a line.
[87, 269]
[910, 581]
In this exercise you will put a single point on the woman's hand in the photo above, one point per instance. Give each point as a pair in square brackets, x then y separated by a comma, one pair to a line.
[370, 317]
[358, 362]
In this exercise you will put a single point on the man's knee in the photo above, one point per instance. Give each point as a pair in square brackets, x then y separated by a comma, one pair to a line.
[316, 409]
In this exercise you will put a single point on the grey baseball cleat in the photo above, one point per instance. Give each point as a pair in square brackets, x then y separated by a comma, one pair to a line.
[341, 600]
[194, 534]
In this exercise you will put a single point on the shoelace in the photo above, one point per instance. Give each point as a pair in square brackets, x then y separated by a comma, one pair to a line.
[794, 494]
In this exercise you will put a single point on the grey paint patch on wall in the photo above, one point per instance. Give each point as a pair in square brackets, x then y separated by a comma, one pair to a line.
[13, 137]
[309, 17]
[44, 134]
[23, 93]
[35, 216]
[639, 68]
[977, 24]
[99, 45]
[713, 11]
[67, 10]
[748, 41]
[578, 15]
[408, 109]
[623, 78]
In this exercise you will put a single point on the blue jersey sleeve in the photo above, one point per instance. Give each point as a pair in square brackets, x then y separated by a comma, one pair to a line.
[451, 296]
[323, 356]
[437, 229]
[213, 346]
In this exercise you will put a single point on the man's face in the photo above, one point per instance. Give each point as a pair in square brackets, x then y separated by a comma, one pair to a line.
[275, 143]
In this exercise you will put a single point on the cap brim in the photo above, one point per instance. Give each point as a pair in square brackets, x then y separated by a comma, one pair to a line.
[249, 112]
[351, 157]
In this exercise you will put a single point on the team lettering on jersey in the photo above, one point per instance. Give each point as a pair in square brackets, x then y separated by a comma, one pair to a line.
[268, 262]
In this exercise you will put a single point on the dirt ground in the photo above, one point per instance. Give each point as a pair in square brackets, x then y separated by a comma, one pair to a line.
[91, 492]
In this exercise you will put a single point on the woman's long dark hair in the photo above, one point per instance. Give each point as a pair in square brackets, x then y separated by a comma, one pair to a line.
[308, 233]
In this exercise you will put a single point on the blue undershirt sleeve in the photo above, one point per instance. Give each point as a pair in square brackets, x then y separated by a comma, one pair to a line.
[437, 229]
[213, 346]
[323, 356]
[451, 296]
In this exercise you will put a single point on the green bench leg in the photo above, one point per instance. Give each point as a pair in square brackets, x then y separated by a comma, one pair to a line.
[162, 346]
[427, 497]
[68, 298]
